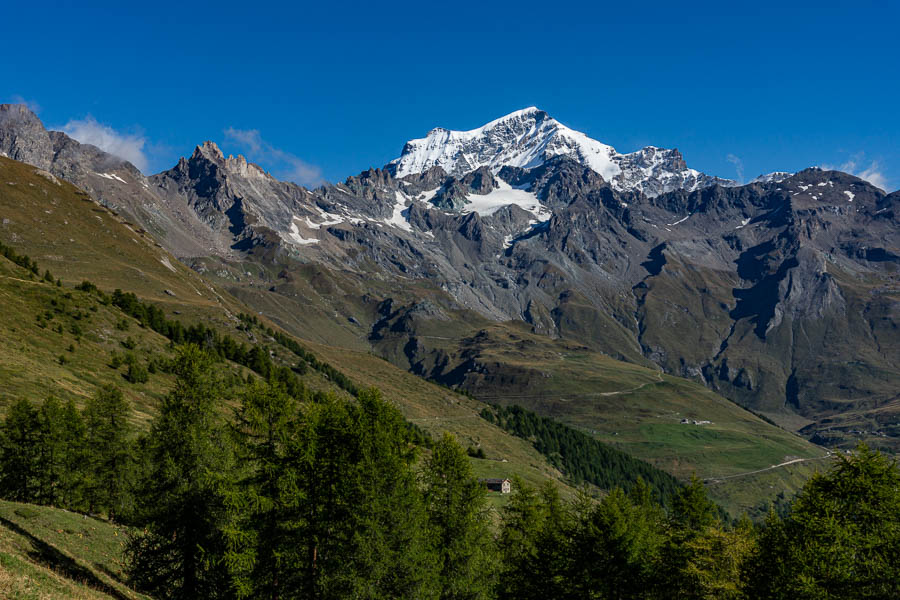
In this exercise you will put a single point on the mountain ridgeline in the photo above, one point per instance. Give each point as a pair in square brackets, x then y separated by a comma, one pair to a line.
[781, 295]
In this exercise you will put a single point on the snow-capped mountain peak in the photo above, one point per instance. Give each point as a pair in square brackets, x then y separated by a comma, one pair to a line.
[527, 138]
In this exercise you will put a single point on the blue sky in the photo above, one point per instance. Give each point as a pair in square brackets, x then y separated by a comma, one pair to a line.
[324, 91]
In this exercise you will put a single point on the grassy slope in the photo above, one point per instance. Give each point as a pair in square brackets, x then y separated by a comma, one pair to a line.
[852, 399]
[635, 408]
[747, 493]
[437, 410]
[625, 404]
[47, 553]
[80, 240]
[68, 233]
[29, 354]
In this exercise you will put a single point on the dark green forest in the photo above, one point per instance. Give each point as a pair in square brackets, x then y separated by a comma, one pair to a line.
[256, 487]
[579, 456]
[312, 496]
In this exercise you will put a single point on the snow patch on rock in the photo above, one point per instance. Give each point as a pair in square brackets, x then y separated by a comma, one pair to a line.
[504, 195]
[294, 236]
[400, 215]
[112, 176]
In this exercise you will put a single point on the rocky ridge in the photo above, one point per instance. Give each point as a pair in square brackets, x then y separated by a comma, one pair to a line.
[781, 294]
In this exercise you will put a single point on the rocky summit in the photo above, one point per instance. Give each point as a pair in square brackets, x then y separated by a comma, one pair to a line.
[782, 294]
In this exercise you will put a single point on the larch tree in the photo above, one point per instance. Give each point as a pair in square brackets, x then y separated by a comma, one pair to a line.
[110, 460]
[841, 538]
[180, 553]
[459, 523]
[262, 553]
[20, 453]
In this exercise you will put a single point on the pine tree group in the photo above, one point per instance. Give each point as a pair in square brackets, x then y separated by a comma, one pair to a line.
[266, 490]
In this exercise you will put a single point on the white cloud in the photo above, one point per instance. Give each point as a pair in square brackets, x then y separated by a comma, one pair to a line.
[129, 147]
[284, 164]
[738, 166]
[29, 104]
[855, 165]
[873, 175]
[248, 138]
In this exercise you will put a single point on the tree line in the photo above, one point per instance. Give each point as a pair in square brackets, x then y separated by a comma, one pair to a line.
[315, 496]
[580, 457]
[254, 357]
[291, 496]
[22, 260]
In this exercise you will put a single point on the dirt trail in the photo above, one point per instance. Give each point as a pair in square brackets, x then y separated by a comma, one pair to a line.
[778, 466]
[563, 396]
[634, 389]
[447, 418]
[35, 281]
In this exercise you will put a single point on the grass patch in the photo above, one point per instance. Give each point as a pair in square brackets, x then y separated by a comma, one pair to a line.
[51, 553]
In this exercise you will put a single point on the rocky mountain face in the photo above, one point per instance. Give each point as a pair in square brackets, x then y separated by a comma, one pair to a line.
[112, 181]
[782, 294]
[23, 137]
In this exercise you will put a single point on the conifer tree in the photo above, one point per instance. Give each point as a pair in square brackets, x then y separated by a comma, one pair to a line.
[391, 555]
[534, 545]
[110, 460]
[523, 519]
[692, 510]
[74, 457]
[841, 538]
[324, 454]
[362, 528]
[461, 535]
[20, 453]
[701, 559]
[262, 554]
[62, 465]
[617, 544]
[182, 496]
[711, 563]
[137, 373]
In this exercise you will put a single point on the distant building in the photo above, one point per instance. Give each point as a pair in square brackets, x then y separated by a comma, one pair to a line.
[504, 486]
